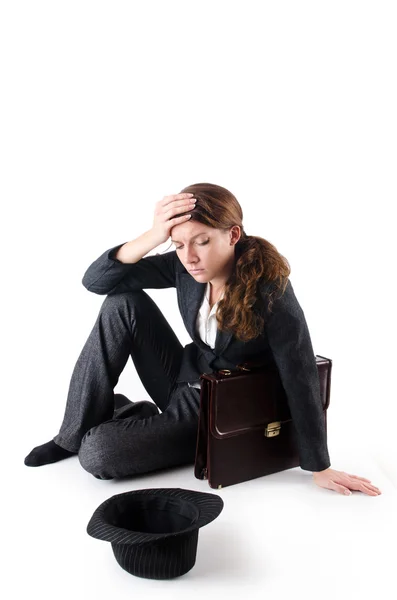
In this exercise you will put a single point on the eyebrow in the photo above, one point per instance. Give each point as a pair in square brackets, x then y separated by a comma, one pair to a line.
[192, 238]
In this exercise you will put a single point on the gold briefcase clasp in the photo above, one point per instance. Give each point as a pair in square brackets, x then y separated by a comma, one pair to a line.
[273, 429]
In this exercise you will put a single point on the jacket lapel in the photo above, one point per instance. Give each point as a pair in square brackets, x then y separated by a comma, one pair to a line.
[191, 295]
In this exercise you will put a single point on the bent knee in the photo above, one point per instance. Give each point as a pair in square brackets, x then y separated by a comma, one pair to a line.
[113, 301]
[94, 458]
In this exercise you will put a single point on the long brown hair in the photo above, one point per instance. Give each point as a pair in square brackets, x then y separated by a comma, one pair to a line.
[256, 260]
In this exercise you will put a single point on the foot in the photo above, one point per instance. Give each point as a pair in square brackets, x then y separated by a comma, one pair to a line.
[47, 453]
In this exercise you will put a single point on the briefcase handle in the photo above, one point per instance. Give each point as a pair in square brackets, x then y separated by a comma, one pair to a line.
[246, 366]
[324, 367]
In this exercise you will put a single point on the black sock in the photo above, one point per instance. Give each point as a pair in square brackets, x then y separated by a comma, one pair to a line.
[47, 453]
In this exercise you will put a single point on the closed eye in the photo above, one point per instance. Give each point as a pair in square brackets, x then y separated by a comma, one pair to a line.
[203, 244]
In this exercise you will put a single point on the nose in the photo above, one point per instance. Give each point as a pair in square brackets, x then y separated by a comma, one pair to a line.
[190, 257]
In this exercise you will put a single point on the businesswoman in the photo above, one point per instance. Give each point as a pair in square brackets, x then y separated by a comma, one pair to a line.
[237, 303]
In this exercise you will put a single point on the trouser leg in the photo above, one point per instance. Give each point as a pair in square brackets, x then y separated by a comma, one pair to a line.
[125, 447]
[128, 324]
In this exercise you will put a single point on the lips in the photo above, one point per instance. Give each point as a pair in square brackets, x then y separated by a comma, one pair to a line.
[196, 271]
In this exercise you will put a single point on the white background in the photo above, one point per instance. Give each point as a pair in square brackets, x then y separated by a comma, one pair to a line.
[106, 107]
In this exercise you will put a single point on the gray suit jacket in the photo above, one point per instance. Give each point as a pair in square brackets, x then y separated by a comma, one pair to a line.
[284, 342]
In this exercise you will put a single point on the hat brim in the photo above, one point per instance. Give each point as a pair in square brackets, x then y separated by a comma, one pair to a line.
[186, 510]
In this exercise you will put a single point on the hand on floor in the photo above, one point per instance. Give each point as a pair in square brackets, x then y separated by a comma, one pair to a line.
[342, 482]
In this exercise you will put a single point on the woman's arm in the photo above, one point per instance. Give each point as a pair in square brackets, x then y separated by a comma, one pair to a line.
[122, 268]
[291, 346]
[131, 252]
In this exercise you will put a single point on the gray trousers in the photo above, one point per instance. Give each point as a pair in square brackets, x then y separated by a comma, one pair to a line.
[129, 324]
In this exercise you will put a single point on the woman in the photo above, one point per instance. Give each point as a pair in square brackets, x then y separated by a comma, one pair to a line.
[237, 303]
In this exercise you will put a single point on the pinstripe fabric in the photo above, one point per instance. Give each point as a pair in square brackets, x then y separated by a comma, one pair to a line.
[154, 531]
[161, 560]
[116, 444]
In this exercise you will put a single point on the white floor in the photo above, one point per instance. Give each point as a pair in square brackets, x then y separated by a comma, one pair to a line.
[279, 534]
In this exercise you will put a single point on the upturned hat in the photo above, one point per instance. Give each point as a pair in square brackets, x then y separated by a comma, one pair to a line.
[154, 531]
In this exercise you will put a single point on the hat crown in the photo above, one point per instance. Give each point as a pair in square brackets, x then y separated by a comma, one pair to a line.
[154, 531]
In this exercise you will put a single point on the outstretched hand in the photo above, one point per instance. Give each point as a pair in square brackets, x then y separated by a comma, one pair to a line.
[342, 482]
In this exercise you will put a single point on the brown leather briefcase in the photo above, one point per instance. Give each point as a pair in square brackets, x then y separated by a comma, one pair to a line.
[245, 428]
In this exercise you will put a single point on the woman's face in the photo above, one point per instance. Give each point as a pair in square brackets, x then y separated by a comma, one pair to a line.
[207, 249]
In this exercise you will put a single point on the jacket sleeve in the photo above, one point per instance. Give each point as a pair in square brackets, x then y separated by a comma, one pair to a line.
[108, 275]
[291, 346]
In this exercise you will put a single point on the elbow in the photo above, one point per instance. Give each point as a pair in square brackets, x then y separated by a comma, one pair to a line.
[92, 288]
[85, 281]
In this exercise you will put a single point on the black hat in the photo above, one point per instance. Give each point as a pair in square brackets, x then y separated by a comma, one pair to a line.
[154, 531]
